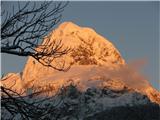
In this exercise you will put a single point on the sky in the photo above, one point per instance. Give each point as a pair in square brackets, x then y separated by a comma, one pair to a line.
[133, 27]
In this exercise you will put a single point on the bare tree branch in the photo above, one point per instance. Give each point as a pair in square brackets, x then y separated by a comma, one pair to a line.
[24, 31]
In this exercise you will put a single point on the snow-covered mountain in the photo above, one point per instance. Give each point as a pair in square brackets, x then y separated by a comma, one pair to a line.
[95, 63]
[89, 48]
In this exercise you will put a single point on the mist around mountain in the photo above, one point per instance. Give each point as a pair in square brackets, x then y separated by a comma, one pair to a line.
[98, 86]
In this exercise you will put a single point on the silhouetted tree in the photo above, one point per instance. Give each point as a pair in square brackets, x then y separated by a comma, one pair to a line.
[24, 31]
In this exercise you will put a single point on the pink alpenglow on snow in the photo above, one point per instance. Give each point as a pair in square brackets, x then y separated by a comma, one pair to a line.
[94, 60]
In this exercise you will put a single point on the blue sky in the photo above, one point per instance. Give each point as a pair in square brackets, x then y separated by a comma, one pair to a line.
[133, 27]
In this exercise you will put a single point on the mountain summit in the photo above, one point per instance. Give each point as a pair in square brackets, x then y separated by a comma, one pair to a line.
[95, 62]
[89, 48]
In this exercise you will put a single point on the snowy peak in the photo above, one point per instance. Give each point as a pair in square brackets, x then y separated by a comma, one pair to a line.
[68, 27]
[86, 44]
[88, 48]
[95, 61]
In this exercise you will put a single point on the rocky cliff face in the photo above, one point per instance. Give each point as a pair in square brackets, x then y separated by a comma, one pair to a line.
[95, 63]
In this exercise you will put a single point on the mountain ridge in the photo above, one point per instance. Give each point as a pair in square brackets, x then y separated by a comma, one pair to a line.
[95, 63]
